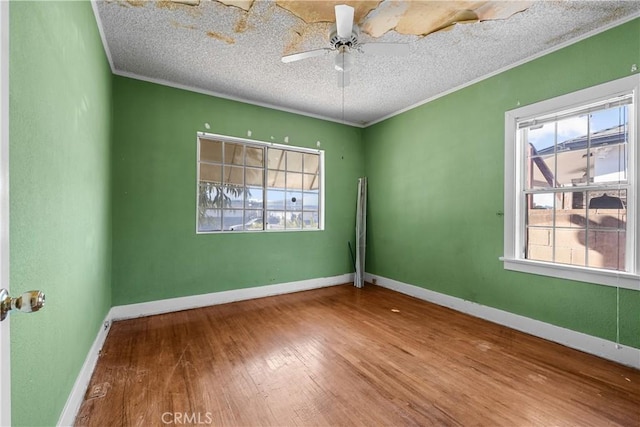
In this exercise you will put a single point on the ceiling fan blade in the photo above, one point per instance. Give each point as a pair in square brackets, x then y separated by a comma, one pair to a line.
[344, 78]
[389, 49]
[344, 20]
[305, 55]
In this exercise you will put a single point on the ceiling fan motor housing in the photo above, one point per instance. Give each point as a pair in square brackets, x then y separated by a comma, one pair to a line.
[350, 42]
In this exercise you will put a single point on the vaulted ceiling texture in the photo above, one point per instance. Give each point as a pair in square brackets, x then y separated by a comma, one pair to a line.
[233, 48]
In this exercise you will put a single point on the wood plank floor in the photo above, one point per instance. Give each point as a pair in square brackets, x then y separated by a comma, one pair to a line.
[343, 356]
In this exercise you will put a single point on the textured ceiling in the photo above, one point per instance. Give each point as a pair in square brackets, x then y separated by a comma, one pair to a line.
[232, 48]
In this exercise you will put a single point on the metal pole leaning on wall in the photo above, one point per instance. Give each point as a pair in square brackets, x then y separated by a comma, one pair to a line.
[361, 232]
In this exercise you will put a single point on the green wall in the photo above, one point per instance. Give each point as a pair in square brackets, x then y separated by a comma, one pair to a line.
[60, 215]
[156, 252]
[436, 187]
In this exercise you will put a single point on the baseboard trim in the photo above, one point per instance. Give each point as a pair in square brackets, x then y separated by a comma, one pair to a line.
[71, 408]
[606, 349]
[151, 308]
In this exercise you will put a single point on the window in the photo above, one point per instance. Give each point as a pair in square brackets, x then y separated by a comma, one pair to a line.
[246, 185]
[571, 190]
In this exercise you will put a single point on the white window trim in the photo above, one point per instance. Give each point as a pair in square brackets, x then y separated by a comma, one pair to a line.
[514, 202]
[226, 138]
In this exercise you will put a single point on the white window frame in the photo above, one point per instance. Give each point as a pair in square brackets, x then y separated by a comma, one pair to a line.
[256, 143]
[514, 200]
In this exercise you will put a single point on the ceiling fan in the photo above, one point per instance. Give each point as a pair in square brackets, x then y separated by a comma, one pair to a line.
[344, 39]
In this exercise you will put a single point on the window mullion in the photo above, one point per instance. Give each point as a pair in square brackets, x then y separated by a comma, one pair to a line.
[557, 194]
[244, 186]
[265, 177]
[586, 201]
[286, 188]
[222, 184]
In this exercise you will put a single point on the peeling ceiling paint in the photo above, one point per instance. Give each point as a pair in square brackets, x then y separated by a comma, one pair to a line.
[232, 48]
[418, 18]
[187, 2]
[242, 4]
[188, 6]
[425, 17]
[324, 11]
[376, 17]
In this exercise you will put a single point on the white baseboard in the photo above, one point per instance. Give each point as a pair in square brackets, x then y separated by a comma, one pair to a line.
[131, 311]
[74, 401]
[606, 349]
[71, 408]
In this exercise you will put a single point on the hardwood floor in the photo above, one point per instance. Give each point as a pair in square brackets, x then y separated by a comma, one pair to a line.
[343, 356]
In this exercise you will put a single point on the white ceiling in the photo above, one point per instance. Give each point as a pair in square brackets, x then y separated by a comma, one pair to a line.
[216, 48]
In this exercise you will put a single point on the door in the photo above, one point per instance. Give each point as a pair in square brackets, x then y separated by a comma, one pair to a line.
[5, 367]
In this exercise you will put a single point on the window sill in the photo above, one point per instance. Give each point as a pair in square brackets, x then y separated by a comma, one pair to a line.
[581, 274]
[268, 231]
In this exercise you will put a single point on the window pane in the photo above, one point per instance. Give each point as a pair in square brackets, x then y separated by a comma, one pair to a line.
[254, 156]
[233, 196]
[614, 119]
[607, 249]
[539, 246]
[609, 139]
[311, 163]
[209, 195]
[294, 180]
[275, 199]
[234, 175]
[310, 200]
[540, 201]
[540, 170]
[275, 159]
[310, 182]
[294, 220]
[210, 151]
[252, 221]
[276, 179]
[607, 210]
[310, 220]
[572, 151]
[210, 220]
[571, 229]
[540, 159]
[570, 245]
[253, 197]
[540, 210]
[210, 173]
[232, 219]
[233, 153]
[294, 201]
[254, 176]
[276, 220]
[610, 164]
[294, 161]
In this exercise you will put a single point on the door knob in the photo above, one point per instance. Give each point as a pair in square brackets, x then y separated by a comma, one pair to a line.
[28, 302]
